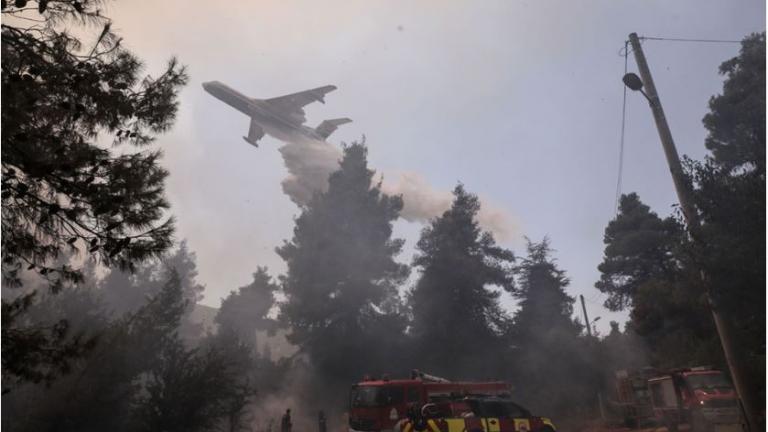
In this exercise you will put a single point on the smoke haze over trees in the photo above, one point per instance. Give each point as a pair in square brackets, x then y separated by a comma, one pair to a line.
[550, 351]
[99, 301]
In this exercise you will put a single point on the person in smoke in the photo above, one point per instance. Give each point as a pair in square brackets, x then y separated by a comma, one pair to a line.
[285, 423]
[321, 422]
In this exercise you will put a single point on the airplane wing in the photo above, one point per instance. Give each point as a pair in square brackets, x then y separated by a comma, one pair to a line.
[293, 103]
[327, 127]
[255, 132]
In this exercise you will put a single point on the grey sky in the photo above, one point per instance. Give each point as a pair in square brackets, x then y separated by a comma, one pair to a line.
[520, 101]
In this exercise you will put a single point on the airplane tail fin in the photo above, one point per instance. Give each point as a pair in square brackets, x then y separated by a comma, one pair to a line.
[327, 127]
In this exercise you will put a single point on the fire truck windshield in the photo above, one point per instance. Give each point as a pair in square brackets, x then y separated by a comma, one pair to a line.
[707, 381]
[373, 396]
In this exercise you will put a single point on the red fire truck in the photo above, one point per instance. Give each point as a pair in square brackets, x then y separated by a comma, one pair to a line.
[376, 405]
[701, 397]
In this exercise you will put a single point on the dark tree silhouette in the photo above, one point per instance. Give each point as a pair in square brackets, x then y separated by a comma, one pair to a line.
[553, 363]
[736, 121]
[648, 266]
[246, 310]
[639, 247]
[342, 277]
[456, 313]
[193, 390]
[63, 188]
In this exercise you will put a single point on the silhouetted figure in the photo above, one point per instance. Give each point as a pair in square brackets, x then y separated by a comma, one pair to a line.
[321, 422]
[285, 423]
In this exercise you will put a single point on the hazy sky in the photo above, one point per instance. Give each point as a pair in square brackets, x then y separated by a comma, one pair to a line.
[520, 101]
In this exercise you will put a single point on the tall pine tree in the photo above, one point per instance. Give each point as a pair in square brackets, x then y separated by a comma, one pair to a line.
[457, 320]
[552, 362]
[342, 278]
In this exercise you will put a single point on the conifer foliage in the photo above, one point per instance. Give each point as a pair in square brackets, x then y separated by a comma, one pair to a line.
[556, 367]
[65, 100]
[342, 278]
[456, 312]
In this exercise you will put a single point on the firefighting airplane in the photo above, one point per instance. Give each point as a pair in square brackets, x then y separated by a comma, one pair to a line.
[281, 117]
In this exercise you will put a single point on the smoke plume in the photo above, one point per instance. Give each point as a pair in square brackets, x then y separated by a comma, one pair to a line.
[310, 162]
[422, 202]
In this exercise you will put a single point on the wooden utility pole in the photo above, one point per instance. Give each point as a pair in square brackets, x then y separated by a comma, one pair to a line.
[683, 189]
[586, 319]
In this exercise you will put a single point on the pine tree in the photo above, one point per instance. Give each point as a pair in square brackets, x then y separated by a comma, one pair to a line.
[342, 276]
[457, 320]
[639, 246]
[544, 305]
[736, 121]
[553, 363]
[63, 189]
[195, 389]
[648, 265]
[246, 310]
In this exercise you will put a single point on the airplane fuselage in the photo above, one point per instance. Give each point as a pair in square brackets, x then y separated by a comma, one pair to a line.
[282, 126]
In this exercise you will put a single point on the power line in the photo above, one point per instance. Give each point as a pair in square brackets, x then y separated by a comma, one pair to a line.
[689, 40]
[623, 128]
[594, 298]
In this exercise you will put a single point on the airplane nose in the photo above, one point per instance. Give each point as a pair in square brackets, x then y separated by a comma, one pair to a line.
[207, 85]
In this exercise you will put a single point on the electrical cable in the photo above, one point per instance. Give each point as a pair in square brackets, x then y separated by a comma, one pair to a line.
[594, 298]
[688, 40]
[623, 129]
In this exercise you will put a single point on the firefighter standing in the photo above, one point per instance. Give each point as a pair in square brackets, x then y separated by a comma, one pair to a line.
[285, 423]
[321, 423]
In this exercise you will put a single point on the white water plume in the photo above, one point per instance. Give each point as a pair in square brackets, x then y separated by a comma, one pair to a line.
[310, 162]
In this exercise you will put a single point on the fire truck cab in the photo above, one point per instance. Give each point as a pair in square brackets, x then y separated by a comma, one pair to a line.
[701, 397]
